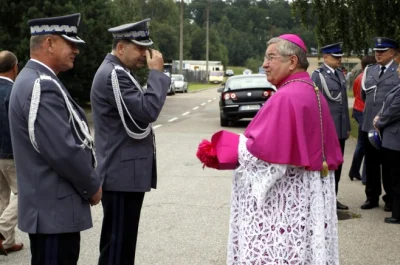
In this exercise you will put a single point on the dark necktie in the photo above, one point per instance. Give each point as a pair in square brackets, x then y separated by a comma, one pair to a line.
[337, 75]
[382, 71]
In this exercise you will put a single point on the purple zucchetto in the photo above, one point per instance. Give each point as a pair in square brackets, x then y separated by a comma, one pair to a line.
[294, 39]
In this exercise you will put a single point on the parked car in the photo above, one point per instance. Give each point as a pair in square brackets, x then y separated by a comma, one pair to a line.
[242, 96]
[216, 77]
[247, 72]
[180, 83]
[171, 89]
[229, 72]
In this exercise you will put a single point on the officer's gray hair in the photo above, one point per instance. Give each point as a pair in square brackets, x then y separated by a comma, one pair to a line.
[36, 41]
[286, 48]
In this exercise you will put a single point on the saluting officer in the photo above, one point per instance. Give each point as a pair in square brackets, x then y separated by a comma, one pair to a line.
[122, 113]
[332, 83]
[378, 80]
[53, 149]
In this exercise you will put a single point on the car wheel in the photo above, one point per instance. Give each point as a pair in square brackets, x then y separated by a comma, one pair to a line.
[224, 122]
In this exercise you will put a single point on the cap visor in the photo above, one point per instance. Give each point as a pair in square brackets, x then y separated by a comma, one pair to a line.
[75, 39]
[381, 49]
[148, 42]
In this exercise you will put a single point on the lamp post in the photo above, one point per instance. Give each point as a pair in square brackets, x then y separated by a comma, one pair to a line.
[181, 40]
[207, 22]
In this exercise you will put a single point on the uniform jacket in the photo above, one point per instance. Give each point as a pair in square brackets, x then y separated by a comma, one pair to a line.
[374, 97]
[126, 164]
[389, 120]
[339, 110]
[54, 186]
[5, 137]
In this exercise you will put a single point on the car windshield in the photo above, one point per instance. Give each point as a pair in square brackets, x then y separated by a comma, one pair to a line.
[216, 74]
[177, 77]
[248, 82]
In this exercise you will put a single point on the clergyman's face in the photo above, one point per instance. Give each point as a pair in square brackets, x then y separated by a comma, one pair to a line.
[276, 66]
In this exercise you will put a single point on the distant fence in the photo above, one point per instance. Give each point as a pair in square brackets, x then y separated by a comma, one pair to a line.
[195, 76]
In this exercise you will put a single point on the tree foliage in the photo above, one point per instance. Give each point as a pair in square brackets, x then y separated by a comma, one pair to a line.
[238, 30]
[353, 22]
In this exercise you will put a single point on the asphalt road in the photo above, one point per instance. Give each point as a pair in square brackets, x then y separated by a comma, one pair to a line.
[185, 220]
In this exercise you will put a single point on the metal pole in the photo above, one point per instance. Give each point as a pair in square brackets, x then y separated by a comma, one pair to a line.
[208, 11]
[181, 41]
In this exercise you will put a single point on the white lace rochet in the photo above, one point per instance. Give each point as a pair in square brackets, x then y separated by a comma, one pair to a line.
[281, 215]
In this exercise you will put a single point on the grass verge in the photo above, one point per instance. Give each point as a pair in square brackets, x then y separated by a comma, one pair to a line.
[199, 86]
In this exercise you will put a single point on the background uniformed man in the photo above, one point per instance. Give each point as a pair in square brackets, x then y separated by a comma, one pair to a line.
[332, 83]
[8, 178]
[53, 149]
[380, 78]
[388, 123]
[122, 114]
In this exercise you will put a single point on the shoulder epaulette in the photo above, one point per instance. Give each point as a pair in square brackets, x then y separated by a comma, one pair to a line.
[319, 70]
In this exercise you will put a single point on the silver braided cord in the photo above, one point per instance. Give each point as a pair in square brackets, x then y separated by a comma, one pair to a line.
[120, 102]
[74, 118]
[326, 90]
[364, 76]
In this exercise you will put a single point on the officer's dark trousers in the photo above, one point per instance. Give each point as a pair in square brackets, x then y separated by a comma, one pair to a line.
[55, 249]
[120, 227]
[392, 161]
[373, 161]
[338, 171]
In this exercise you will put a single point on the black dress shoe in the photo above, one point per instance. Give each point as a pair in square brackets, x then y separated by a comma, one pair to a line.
[369, 205]
[358, 177]
[391, 220]
[340, 206]
[387, 207]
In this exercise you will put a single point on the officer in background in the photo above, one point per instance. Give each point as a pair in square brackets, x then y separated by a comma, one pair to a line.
[8, 178]
[53, 150]
[388, 124]
[379, 78]
[332, 83]
[122, 114]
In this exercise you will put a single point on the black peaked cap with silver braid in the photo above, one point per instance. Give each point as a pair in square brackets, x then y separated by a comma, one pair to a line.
[65, 26]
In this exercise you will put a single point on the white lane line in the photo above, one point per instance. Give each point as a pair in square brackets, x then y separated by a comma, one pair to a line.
[157, 126]
[173, 119]
[202, 104]
[186, 113]
[209, 100]
[195, 108]
[214, 98]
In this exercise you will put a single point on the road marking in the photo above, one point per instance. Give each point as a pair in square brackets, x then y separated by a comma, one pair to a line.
[195, 108]
[173, 119]
[214, 98]
[202, 104]
[157, 126]
[209, 100]
[186, 113]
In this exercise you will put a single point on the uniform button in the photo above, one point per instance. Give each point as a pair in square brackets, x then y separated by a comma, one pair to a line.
[84, 192]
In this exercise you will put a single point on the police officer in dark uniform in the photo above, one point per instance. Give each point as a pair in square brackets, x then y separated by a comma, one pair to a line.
[378, 80]
[122, 114]
[53, 149]
[388, 124]
[332, 83]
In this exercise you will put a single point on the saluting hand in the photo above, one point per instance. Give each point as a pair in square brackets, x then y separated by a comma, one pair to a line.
[155, 60]
[96, 197]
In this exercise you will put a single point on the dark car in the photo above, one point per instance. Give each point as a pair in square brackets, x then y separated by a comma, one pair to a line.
[242, 96]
